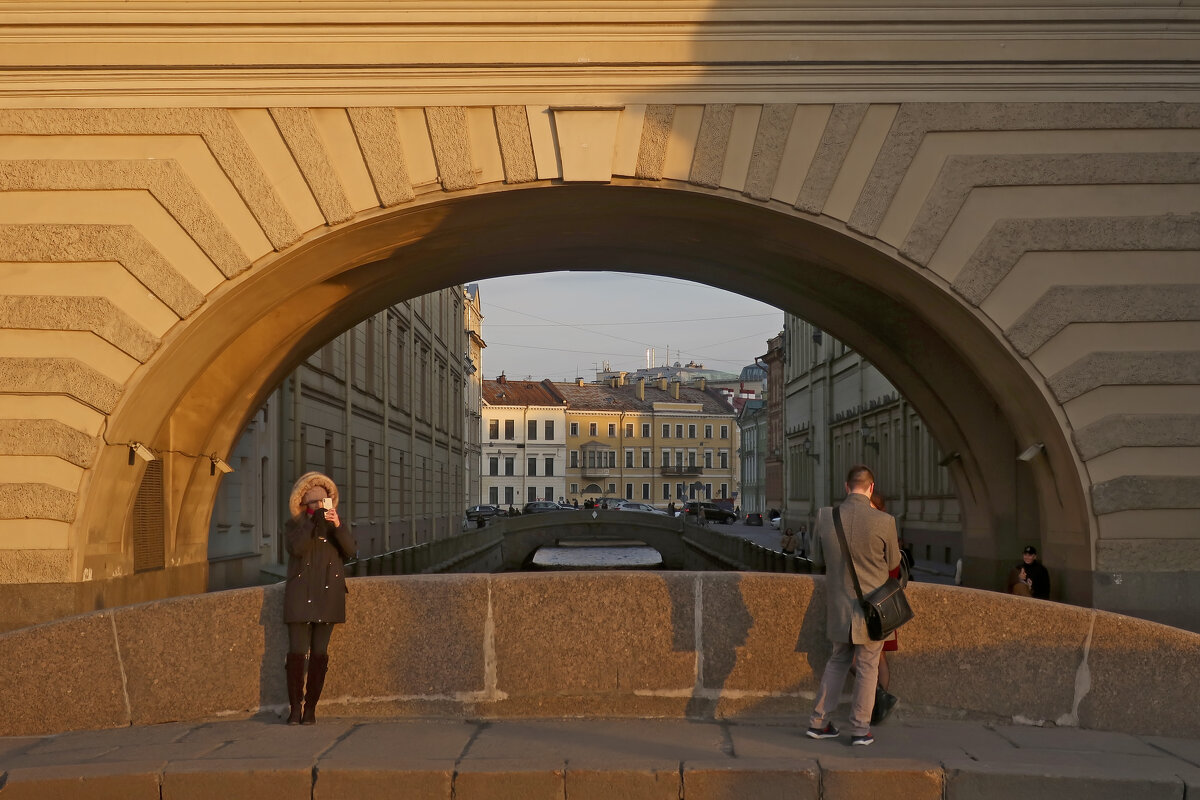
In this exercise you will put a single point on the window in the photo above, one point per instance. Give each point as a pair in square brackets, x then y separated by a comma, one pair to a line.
[574, 459]
[629, 458]
[612, 488]
[679, 431]
[666, 434]
[724, 490]
[629, 429]
[549, 466]
[691, 458]
[532, 430]
[645, 491]
[708, 431]
[591, 429]
[494, 495]
[645, 430]
[508, 465]
[532, 466]
[645, 459]
[666, 458]
[612, 429]
[549, 492]
[494, 429]
[549, 429]
[679, 458]
[708, 491]
[681, 493]
[724, 459]
[532, 492]
[494, 466]
[574, 428]
[691, 431]
[724, 431]
[510, 429]
[666, 491]
[629, 491]
[708, 459]
[574, 488]
[508, 495]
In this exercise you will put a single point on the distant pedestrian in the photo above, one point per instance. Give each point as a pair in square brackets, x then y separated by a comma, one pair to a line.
[1031, 575]
[871, 540]
[787, 543]
[314, 600]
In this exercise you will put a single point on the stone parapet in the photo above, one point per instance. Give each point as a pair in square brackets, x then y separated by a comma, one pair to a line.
[731, 646]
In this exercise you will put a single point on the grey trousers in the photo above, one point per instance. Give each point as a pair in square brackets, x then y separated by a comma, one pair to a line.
[866, 668]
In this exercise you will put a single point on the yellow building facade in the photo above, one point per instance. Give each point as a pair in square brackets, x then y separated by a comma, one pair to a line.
[651, 442]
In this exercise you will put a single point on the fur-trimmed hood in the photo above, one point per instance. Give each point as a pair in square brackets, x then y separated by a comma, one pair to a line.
[307, 481]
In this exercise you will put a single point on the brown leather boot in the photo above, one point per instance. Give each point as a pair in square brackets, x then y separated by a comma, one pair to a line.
[295, 685]
[318, 665]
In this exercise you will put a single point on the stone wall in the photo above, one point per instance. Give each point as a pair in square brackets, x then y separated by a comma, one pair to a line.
[697, 645]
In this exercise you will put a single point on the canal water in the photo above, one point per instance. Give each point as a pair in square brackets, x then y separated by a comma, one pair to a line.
[589, 555]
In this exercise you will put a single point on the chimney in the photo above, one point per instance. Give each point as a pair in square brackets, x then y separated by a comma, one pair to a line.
[502, 379]
[641, 389]
[624, 379]
[614, 382]
[579, 381]
[662, 384]
[675, 389]
[703, 384]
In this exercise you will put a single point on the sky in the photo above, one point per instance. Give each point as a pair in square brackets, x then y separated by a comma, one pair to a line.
[563, 325]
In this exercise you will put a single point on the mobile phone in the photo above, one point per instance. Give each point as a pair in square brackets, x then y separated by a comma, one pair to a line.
[327, 503]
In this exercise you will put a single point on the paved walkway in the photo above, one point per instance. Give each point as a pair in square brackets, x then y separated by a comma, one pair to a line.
[912, 759]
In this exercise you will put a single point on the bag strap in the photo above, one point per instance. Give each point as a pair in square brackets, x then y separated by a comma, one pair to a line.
[837, 523]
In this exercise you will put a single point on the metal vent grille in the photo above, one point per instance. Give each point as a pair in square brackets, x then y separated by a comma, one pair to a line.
[148, 518]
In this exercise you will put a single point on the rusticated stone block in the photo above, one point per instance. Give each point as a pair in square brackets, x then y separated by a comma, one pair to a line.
[98, 781]
[503, 779]
[200, 655]
[612, 634]
[416, 637]
[875, 777]
[263, 779]
[647, 783]
[62, 676]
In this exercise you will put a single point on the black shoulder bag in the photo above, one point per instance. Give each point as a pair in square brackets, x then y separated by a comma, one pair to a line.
[886, 608]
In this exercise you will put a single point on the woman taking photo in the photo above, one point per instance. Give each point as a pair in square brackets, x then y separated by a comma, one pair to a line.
[315, 598]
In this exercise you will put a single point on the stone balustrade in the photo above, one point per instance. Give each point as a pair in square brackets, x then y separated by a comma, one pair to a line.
[615, 644]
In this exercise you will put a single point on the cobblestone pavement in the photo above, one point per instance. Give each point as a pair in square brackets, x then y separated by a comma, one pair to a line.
[530, 759]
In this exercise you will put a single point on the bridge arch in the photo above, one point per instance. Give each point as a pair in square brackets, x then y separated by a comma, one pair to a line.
[1023, 271]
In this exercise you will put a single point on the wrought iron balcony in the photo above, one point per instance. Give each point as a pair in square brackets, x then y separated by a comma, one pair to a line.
[680, 471]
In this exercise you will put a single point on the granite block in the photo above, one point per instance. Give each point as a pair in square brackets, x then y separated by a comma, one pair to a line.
[1060, 779]
[510, 779]
[612, 634]
[400, 780]
[196, 656]
[1142, 678]
[617, 783]
[100, 781]
[279, 778]
[761, 780]
[880, 777]
[61, 676]
[411, 637]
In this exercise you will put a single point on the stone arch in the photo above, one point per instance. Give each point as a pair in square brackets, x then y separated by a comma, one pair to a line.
[931, 236]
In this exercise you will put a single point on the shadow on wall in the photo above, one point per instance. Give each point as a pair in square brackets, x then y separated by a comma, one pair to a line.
[584, 644]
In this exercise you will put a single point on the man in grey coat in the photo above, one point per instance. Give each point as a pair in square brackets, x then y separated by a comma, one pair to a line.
[873, 543]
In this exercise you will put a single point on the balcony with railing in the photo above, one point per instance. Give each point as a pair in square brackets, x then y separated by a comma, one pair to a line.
[680, 471]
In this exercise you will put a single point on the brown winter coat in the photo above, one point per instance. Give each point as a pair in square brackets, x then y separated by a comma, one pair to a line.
[873, 542]
[316, 581]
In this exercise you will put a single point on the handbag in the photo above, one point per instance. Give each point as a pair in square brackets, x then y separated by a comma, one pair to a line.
[885, 608]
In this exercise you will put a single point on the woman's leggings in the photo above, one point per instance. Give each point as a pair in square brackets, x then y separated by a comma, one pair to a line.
[303, 636]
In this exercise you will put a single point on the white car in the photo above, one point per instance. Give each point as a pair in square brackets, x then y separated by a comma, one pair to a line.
[775, 522]
[645, 508]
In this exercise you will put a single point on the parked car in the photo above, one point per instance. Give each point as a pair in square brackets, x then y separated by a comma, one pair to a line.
[711, 511]
[754, 518]
[775, 522]
[540, 507]
[475, 513]
[567, 507]
[645, 508]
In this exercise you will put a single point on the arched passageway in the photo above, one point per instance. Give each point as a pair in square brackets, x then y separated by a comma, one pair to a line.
[205, 382]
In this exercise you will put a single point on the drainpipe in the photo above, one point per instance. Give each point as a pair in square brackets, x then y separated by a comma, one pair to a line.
[387, 459]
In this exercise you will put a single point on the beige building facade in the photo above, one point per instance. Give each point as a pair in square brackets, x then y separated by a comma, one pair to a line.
[380, 409]
[995, 205]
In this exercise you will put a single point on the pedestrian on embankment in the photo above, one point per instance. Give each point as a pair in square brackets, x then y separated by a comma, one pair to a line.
[318, 544]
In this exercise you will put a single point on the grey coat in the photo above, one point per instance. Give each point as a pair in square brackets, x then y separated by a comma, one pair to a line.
[874, 545]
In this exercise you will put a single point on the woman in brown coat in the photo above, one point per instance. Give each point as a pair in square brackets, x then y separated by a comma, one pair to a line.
[315, 598]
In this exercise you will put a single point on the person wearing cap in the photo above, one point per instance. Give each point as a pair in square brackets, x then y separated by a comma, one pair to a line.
[1030, 573]
[314, 599]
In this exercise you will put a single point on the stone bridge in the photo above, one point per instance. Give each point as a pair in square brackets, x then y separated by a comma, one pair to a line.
[698, 645]
[999, 206]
